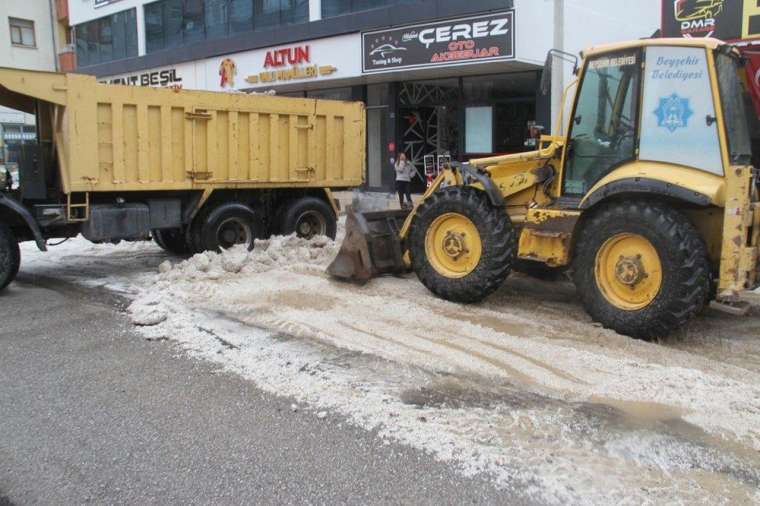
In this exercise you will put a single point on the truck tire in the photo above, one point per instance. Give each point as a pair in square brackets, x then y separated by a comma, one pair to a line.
[641, 268]
[172, 240]
[462, 248]
[225, 226]
[308, 217]
[10, 256]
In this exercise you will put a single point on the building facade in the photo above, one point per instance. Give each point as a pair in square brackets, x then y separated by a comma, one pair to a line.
[28, 40]
[439, 78]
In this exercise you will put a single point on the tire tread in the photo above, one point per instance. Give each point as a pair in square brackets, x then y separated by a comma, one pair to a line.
[675, 305]
[497, 233]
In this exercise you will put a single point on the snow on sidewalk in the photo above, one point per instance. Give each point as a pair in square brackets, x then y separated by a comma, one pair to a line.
[522, 388]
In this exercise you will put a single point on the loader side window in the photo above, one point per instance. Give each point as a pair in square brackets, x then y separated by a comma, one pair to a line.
[679, 122]
[736, 104]
[603, 126]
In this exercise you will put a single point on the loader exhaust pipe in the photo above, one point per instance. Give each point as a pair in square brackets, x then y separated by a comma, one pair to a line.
[372, 246]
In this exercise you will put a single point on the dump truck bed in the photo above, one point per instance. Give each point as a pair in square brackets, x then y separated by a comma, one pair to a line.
[130, 138]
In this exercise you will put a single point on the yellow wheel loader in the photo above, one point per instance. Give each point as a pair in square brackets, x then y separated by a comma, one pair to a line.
[648, 199]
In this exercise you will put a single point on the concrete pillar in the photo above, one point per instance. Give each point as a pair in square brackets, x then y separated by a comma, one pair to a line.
[315, 10]
[140, 18]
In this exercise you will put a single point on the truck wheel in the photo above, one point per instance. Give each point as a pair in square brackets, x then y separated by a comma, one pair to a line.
[226, 226]
[10, 256]
[172, 240]
[309, 217]
[461, 247]
[641, 269]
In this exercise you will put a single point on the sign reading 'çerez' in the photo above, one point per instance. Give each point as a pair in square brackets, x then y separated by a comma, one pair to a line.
[457, 41]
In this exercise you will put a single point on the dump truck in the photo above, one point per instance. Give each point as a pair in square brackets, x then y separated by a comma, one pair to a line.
[645, 196]
[196, 170]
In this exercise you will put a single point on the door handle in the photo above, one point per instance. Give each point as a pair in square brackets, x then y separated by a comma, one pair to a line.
[710, 120]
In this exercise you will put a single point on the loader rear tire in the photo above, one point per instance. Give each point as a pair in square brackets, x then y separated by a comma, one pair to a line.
[641, 268]
[10, 256]
[462, 248]
[172, 240]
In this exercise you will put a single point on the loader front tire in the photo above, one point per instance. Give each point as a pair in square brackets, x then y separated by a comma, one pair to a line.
[10, 256]
[641, 268]
[462, 248]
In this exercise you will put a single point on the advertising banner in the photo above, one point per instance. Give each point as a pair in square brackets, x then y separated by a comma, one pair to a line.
[723, 19]
[321, 59]
[460, 41]
[678, 122]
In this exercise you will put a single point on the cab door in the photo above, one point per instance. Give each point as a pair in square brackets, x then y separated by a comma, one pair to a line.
[604, 122]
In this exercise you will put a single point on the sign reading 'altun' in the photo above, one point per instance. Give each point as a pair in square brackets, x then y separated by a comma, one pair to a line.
[453, 42]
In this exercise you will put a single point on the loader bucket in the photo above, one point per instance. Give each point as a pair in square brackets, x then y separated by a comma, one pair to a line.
[372, 246]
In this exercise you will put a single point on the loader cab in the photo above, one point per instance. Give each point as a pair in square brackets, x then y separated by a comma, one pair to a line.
[656, 105]
[604, 121]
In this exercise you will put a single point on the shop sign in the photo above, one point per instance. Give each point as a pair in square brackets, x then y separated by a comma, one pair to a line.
[723, 19]
[289, 64]
[166, 77]
[452, 42]
[260, 68]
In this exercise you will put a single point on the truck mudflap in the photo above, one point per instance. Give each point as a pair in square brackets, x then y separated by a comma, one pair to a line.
[25, 215]
[372, 246]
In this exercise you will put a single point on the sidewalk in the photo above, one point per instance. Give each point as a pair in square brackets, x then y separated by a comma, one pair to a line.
[370, 201]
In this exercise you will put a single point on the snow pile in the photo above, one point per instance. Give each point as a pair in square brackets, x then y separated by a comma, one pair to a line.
[523, 388]
[279, 252]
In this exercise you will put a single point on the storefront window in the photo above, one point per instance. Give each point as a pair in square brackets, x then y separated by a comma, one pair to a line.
[216, 18]
[193, 26]
[106, 39]
[378, 155]
[510, 99]
[478, 129]
[428, 122]
[172, 23]
[331, 8]
[240, 16]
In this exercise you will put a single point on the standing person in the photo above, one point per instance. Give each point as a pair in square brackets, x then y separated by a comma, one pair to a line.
[8, 186]
[404, 170]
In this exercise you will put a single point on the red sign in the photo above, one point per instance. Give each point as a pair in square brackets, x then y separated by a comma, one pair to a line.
[287, 56]
[752, 54]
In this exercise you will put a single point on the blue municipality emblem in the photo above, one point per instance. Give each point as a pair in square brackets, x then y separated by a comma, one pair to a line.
[673, 113]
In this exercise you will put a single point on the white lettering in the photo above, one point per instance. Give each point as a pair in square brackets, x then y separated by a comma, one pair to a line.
[462, 31]
[476, 30]
[480, 29]
[424, 39]
[500, 26]
[443, 34]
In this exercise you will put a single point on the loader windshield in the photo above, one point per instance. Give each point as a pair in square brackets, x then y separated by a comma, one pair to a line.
[735, 100]
[603, 125]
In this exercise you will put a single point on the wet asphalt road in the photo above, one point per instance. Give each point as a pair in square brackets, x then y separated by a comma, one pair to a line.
[90, 412]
